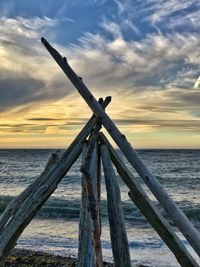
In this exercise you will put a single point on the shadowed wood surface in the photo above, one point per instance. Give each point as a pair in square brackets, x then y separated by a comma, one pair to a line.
[90, 171]
[118, 234]
[86, 249]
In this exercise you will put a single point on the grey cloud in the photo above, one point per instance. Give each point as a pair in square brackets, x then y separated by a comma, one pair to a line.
[63, 121]
[152, 63]
[16, 91]
[188, 100]
[76, 122]
[7, 43]
[19, 90]
[21, 81]
[9, 125]
[181, 125]
[25, 128]
[170, 11]
[164, 107]
[155, 63]
[191, 98]
[43, 119]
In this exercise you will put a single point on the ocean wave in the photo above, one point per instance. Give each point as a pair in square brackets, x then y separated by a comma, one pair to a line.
[69, 209]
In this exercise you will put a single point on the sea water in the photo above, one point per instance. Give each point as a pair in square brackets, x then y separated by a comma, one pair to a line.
[55, 228]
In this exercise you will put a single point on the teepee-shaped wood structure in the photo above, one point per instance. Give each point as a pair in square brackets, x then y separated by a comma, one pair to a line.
[21, 210]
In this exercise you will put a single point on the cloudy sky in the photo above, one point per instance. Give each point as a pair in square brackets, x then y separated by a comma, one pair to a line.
[146, 54]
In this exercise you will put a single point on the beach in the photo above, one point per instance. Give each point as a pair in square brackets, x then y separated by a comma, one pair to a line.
[55, 229]
[22, 258]
[25, 258]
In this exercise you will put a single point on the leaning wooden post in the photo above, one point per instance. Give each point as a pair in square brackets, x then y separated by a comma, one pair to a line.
[14, 205]
[90, 171]
[118, 234]
[185, 226]
[86, 249]
[28, 208]
[152, 214]
[99, 187]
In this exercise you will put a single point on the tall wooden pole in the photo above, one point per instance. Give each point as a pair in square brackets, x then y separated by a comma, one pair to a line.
[185, 226]
[90, 172]
[86, 248]
[118, 234]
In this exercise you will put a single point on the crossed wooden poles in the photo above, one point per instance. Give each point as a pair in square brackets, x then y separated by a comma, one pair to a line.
[20, 211]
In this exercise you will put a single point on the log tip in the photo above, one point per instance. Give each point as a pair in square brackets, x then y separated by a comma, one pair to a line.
[108, 99]
[100, 100]
[43, 40]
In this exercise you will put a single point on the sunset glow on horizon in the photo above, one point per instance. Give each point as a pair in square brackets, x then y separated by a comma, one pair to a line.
[141, 54]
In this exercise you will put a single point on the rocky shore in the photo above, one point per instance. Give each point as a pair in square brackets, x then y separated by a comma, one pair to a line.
[27, 258]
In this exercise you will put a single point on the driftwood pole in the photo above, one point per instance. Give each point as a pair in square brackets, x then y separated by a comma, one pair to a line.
[185, 226]
[86, 249]
[99, 186]
[14, 205]
[152, 214]
[90, 172]
[118, 234]
[28, 208]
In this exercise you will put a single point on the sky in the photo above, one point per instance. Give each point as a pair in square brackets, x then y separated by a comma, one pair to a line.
[145, 54]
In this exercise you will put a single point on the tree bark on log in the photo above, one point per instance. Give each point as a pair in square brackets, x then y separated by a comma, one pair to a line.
[118, 234]
[183, 223]
[152, 214]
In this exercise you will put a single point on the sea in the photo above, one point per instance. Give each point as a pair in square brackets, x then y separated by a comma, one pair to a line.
[55, 229]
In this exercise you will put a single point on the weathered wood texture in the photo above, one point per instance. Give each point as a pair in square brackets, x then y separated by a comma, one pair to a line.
[90, 171]
[86, 249]
[30, 206]
[185, 226]
[15, 225]
[93, 135]
[15, 204]
[118, 234]
[99, 187]
[152, 214]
